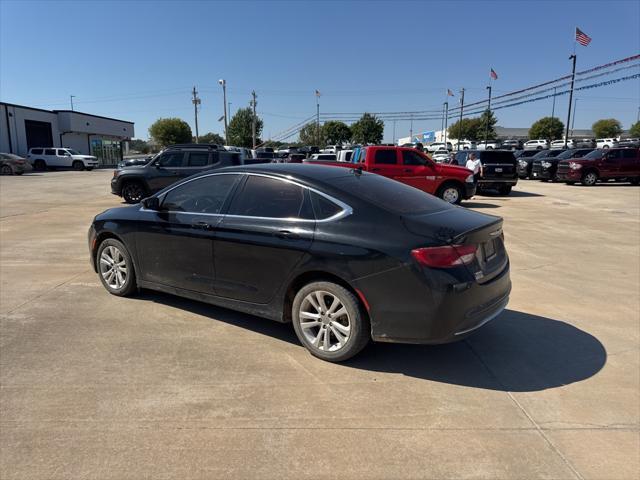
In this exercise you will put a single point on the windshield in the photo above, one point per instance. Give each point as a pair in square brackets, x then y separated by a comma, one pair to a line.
[566, 154]
[595, 155]
[554, 153]
[542, 154]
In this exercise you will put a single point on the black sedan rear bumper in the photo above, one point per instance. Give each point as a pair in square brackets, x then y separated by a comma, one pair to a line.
[442, 307]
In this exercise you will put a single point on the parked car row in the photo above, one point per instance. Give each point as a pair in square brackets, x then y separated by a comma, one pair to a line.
[11, 164]
[584, 165]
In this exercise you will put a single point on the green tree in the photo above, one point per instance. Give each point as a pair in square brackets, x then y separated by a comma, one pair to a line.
[465, 129]
[634, 130]
[169, 131]
[240, 128]
[368, 129]
[607, 127]
[210, 138]
[311, 135]
[487, 117]
[336, 133]
[139, 145]
[548, 128]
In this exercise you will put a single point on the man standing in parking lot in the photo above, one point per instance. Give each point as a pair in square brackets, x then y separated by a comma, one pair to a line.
[475, 165]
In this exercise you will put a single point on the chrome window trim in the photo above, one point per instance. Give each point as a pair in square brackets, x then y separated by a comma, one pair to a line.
[346, 209]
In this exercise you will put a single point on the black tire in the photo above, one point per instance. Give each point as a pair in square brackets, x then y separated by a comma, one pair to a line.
[635, 181]
[133, 192]
[589, 179]
[6, 170]
[570, 183]
[78, 166]
[538, 148]
[40, 165]
[129, 285]
[450, 193]
[88, 169]
[358, 322]
[504, 189]
[605, 147]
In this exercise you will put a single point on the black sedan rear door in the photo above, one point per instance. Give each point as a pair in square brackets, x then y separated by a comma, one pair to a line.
[266, 232]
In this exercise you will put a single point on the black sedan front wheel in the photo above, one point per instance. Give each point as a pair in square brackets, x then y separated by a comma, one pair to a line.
[329, 321]
[116, 268]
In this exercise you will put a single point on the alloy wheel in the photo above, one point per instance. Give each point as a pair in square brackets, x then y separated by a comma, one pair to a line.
[324, 321]
[113, 267]
[6, 170]
[590, 179]
[132, 192]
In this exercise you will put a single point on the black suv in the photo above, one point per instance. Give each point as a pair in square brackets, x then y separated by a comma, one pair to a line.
[499, 169]
[172, 164]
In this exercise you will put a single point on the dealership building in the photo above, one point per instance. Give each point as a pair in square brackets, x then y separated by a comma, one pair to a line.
[22, 128]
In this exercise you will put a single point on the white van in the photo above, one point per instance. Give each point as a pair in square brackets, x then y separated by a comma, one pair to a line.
[43, 158]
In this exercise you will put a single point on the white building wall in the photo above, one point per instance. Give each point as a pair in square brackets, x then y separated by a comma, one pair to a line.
[77, 141]
[17, 116]
[78, 122]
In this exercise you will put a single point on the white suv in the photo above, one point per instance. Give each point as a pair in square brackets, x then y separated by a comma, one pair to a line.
[43, 158]
[606, 142]
[536, 145]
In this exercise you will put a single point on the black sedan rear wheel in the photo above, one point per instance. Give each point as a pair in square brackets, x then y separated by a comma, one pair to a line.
[6, 170]
[329, 321]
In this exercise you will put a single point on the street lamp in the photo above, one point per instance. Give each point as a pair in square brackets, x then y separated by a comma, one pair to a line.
[224, 100]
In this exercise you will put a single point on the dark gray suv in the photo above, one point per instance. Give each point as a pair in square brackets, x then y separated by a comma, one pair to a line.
[172, 164]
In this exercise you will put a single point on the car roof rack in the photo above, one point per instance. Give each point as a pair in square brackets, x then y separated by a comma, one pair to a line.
[208, 146]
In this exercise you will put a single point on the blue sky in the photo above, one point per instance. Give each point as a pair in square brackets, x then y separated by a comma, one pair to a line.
[139, 60]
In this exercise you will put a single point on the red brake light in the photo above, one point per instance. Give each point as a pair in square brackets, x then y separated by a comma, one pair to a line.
[445, 257]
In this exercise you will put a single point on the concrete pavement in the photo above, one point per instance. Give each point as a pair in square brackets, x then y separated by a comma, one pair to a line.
[95, 386]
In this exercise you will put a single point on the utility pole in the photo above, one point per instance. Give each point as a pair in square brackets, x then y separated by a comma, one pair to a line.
[446, 118]
[254, 102]
[224, 104]
[460, 122]
[553, 107]
[318, 117]
[71, 97]
[573, 77]
[442, 124]
[486, 132]
[411, 130]
[394, 132]
[196, 102]
[573, 120]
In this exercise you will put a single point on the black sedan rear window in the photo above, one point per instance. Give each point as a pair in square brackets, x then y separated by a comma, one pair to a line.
[389, 194]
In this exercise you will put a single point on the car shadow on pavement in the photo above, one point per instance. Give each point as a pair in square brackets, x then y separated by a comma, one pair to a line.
[513, 193]
[473, 204]
[516, 352]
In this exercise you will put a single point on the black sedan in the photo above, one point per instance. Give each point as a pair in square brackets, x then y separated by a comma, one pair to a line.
[345, 256]
[546, 168]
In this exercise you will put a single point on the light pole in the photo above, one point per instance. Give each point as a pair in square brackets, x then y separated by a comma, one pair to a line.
[394, 132]
[71, 97]
[224, 104]
[553, 107]
[486, 132]
[460, 122]
[573, 120]
[573, 77]
[318, 117]
[446, 118]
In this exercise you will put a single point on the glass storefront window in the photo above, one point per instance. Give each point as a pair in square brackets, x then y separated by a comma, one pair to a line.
[109, 152]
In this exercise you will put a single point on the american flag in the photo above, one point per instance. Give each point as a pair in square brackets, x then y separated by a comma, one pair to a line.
[317, 93]
[450, 93]
[493, 74]
[582, 38]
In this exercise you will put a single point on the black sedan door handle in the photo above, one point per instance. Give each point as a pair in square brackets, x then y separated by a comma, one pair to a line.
[201, 225]
[287, 234]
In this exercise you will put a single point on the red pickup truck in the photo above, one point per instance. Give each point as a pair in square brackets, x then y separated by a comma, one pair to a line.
[408, 165]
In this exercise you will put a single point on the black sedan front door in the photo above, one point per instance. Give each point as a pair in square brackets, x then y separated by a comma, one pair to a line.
[175, 244]
[265, 234]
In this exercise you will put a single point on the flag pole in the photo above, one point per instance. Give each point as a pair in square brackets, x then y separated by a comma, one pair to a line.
[573, 77]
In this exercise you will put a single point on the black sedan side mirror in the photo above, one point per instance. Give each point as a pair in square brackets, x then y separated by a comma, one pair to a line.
[151, 203]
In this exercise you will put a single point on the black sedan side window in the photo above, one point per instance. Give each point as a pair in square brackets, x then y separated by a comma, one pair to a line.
[202, 195]
[271, 198]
